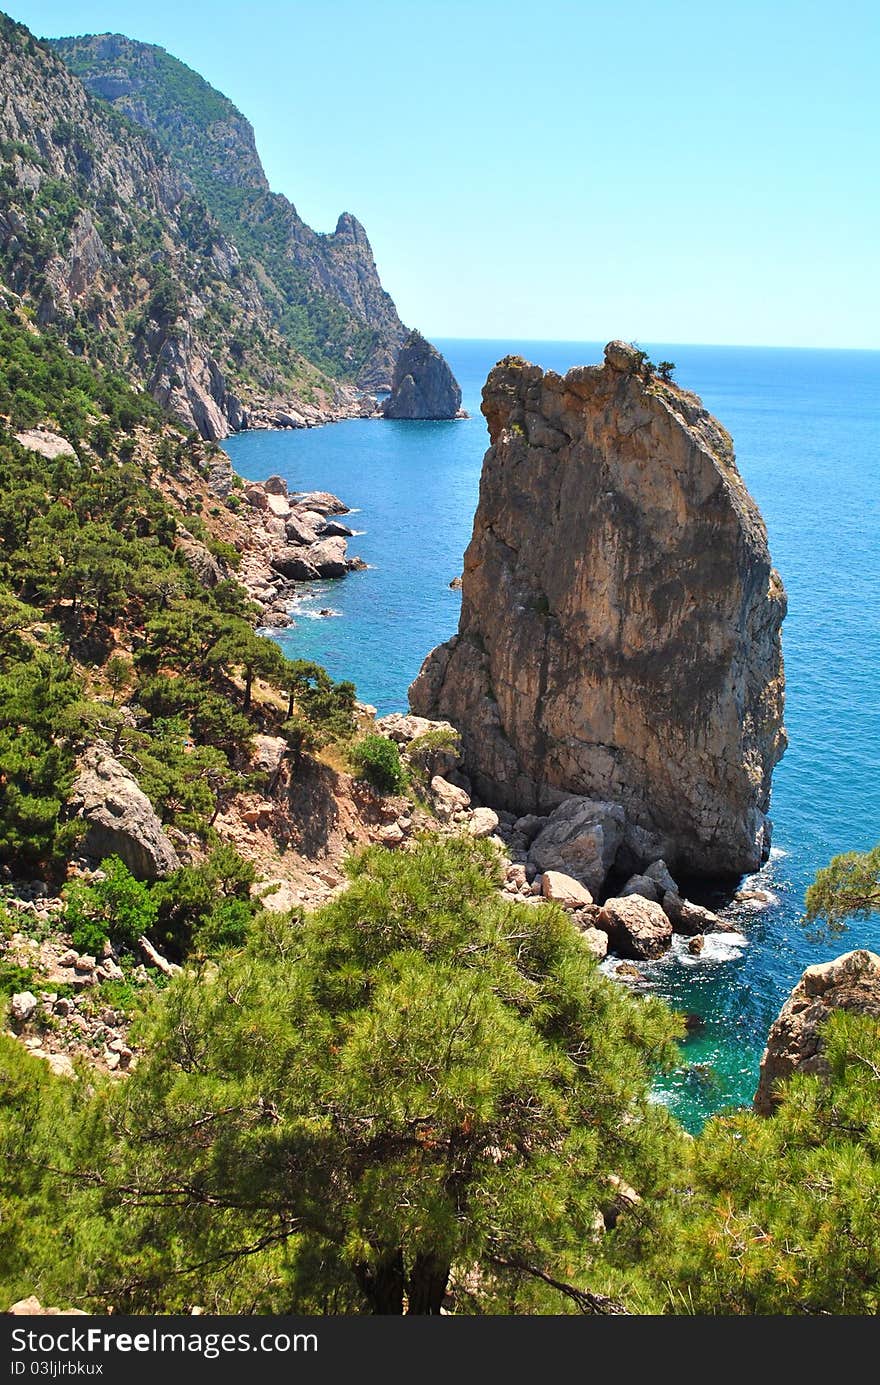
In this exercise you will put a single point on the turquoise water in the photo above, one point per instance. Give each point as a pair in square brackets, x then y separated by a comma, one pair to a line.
[807, 431]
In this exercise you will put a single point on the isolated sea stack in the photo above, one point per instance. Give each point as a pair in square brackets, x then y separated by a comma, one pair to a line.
[620, 625]
[423, 385]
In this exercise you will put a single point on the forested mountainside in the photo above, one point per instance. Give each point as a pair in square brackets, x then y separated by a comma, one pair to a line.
[108, 243]
[212, 294]
[323, 290]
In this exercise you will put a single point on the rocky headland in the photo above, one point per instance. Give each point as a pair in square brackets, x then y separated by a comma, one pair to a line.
[617, 674]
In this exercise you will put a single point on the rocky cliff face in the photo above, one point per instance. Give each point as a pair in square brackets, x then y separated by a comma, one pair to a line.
[423, 385]
[323, 291]
[620, 625]
[795, 1043]
[106, 240]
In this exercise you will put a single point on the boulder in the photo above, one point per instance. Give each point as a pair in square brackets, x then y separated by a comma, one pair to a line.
[692, 919]
[321, 502]
[795, 1043]
[448, 798]
[327, 557]
[562, 889]
[269, 753]
[659, 872]
[335, 529]
[300, 531]
[279, 897]
[60, 1065]
[293, 564]
[120, 820]
[275, 485]
[642, 885]
[516, 876]
[619, 636]
[623, 1198]
[278, 505]
[483, 822]
[596, 940]
[580, 838]
[636, 927]
[400, 727]
[47, 444]
[392, 835]
[30, 1307]
[199, 559]
[256, 496]
[423, 385]
[529, 826]
[22, 1006]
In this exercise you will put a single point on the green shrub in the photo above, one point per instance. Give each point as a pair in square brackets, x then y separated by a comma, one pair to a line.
[118, 907]
[206, 907]
[14, 978]
[377, 760]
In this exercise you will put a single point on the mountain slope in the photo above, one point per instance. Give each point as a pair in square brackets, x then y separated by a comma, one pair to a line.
[323, 290]
[107, 242]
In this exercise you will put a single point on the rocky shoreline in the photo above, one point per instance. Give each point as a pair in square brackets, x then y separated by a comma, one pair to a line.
[293, 539]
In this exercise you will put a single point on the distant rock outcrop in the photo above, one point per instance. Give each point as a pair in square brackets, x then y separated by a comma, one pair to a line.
[423, 385]
[120, 818]
[620, 627]
[795, 1044]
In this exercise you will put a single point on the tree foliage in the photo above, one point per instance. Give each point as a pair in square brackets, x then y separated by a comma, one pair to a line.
[419, 1082]
[377, 759]
[784, 1212]
[848, 887]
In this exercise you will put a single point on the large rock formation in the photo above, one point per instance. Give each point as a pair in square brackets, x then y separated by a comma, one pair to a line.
[795, 1044]
[120, 819]
[620, 625]
[423, 385]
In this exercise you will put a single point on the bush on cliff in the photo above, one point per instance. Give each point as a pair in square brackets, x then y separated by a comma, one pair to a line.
[377, 760]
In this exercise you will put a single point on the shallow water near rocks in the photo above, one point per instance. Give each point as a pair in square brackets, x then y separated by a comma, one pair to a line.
[806, 425]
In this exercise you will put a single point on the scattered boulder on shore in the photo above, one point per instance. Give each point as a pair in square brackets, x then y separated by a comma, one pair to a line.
[619, 636]
[294, 564]
[636, 927]
[562, 889]
[596, 939]
[328, 557]
[691, 919]
[794, 1044]
[300, 529]
[579, 838]
[448, 798]
[644, 886]
[119, 817]
[334, 529]
[423, 386]
[319, 502]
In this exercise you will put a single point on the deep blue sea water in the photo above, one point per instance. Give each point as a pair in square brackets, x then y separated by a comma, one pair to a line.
[806, 424]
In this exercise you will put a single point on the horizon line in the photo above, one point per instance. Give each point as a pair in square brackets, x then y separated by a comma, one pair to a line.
[713, 345]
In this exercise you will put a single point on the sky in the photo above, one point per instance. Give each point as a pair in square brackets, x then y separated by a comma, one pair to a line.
[659, 170]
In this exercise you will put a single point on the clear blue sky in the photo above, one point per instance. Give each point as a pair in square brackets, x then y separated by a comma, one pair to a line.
[692, 171]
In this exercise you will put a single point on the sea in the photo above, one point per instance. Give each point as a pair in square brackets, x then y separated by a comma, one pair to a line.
[806, 425]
